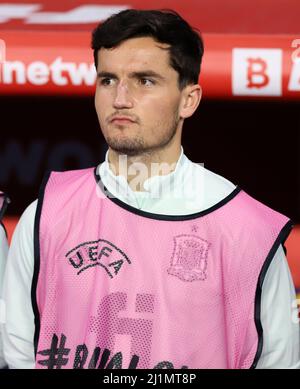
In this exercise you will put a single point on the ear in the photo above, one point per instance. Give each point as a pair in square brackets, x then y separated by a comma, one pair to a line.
[190, 100]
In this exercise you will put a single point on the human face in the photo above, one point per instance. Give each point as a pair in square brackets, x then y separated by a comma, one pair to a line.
[137, 97]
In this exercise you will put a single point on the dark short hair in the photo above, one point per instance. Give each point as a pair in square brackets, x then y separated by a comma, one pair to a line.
[165, 26]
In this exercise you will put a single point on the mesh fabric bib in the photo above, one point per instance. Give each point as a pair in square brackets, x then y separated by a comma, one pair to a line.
[115, 287]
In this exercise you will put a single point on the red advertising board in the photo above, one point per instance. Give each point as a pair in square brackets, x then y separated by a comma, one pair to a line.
[48, 46]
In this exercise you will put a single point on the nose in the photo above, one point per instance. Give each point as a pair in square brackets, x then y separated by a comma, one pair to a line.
[123, 99]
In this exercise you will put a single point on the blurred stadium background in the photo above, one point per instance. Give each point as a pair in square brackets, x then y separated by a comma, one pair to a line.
[247, 127]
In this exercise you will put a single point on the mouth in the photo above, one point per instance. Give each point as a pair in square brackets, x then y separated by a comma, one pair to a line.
[122, 121]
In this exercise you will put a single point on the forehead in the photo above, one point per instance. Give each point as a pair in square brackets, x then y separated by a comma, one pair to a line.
[135, 53]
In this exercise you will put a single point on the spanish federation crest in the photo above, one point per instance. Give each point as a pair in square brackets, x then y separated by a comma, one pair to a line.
[189, 260]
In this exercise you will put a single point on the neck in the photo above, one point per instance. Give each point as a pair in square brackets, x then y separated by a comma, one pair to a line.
[138, 168]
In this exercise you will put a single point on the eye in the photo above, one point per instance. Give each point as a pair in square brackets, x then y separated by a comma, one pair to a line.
[106, 81]
[146, 81]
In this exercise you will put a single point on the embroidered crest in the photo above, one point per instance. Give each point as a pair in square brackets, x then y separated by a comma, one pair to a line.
[189, 260]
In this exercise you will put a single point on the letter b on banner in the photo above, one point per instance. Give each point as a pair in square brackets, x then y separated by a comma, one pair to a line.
[257, 72]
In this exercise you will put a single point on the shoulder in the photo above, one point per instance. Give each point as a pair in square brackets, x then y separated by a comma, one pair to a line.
[66, 179]
[25, 225]
[213, 187]
[242, 212]
[70, 174]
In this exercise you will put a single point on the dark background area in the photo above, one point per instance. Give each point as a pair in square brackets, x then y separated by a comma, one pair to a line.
[254, 144]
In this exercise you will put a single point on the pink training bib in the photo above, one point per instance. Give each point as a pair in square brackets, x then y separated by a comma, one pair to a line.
[116, 287]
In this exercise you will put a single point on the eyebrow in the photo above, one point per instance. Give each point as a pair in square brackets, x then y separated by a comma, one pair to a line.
[141, 74]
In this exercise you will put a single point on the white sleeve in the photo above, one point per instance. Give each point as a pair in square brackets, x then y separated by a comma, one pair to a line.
[3, 255]
[18, 329]
[281, 332]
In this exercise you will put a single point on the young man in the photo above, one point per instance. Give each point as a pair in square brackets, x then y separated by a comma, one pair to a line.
[3, 255]
[171, 267]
